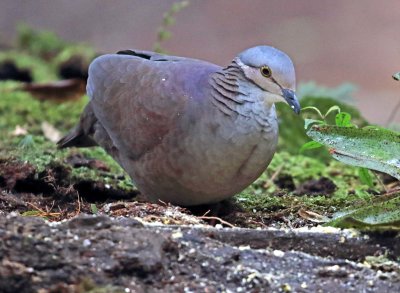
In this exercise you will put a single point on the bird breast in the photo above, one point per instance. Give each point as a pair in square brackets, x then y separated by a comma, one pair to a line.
[210, 156]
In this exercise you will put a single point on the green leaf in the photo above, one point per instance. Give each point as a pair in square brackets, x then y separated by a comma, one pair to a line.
[31, 213]
[310, 145]
[315, 109]
[331, 109]
[94, 208]
[343, 119]
[380, 216]
[365, 177]
[372, 148]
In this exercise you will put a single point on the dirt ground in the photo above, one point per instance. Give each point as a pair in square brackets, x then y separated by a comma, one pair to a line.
[123, 255]
[54, 239]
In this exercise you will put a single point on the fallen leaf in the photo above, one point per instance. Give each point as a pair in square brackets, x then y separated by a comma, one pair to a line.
[58, 91]
[312, 216]
[50, 132]
[19, 131]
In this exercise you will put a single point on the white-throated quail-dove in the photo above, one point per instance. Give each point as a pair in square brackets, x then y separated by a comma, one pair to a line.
[187, 131]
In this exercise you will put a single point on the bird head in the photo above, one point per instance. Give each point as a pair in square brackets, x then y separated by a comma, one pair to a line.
[273, 72]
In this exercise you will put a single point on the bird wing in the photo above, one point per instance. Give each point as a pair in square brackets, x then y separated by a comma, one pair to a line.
[153, 56]
[139, 97]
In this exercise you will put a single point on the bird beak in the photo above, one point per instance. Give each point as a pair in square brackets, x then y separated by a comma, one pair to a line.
[291, 99]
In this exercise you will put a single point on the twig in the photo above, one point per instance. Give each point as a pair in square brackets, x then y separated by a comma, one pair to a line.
[287, 222]
[206, 213]
[42, 213]
[52, 206]
[392, 185]
[258, 223]
[380, 181]
[36, 207]
[271, 180]
[78, 211]
[217, 219]
[390, 193]
[163, 203]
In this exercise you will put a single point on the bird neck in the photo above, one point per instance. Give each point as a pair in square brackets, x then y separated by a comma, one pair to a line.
[234, 94]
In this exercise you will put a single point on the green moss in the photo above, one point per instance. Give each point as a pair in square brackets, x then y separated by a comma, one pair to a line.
[116, 177]
[266, 202]
[43, 154]
[100, 154]
[261, 195]
[20, 108]
[40, 69]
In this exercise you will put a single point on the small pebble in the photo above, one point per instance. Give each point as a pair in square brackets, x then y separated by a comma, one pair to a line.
[177, 235]
[86, 242]
[278, 253]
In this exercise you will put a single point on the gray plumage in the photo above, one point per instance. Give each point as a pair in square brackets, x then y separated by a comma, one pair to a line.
[187, 131]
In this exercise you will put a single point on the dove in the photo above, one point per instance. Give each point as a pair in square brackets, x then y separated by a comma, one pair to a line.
[187, 131]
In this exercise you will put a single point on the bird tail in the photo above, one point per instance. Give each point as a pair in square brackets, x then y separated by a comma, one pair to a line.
[81, 135]
[75, 138]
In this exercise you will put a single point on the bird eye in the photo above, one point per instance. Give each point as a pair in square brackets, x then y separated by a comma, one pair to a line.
[266, 71]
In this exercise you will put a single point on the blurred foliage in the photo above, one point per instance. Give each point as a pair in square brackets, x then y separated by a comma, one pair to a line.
[42, 53]
[40, 43]
[39, 68]
[169, 19]
[20, 108]
[341, 93]
[47, 45]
